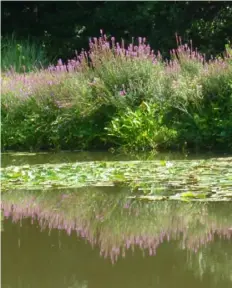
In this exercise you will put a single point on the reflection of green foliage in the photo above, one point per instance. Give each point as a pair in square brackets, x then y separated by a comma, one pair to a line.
[181, 179]
[78, 284]
[1, 222]
[114, 222]
[214, 260]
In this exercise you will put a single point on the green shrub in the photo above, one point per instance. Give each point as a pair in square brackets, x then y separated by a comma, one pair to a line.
[143, 128]
[59, 116]
[114, 96]
[207, 121]
[136, 72]
[26, 124]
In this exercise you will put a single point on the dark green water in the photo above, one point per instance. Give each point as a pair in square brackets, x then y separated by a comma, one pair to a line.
[97, 237]
[61, 157]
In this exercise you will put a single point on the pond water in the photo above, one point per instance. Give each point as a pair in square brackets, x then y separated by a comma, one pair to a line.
[101, 237]
[65, 156]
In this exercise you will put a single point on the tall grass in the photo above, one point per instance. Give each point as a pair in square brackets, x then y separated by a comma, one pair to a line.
[114, 95]
[21, 55]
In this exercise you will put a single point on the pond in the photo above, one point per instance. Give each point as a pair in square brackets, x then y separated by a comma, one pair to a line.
[108, 235]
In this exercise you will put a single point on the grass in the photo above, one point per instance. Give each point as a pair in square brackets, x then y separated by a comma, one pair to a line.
[117, 96]
[21, 55]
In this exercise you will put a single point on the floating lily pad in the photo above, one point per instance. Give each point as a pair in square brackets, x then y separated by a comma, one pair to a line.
[187, 179]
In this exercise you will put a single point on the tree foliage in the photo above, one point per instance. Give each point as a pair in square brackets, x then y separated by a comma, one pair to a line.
[64, 27]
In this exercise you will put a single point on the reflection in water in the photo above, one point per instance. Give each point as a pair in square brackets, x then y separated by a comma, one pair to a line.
[47, 236]
[116, 224]
[214, 260]
[62, 261]
[18, 159]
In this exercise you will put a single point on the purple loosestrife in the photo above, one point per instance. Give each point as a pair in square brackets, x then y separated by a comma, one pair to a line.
[113, 245]
[109, 49]
[122, 93]
[104, 52]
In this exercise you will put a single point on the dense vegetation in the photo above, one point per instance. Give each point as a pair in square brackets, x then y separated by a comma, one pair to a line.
[121, 96]
[61, 28]
[117, 95]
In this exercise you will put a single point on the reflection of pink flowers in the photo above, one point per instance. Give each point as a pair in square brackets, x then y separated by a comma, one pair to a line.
[100, 217]
[122, 92]
[6, 214]
[126, 206]
[64, 196]
[111, 246]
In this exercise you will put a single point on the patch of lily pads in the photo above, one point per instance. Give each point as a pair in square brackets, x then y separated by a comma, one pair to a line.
[195, 180]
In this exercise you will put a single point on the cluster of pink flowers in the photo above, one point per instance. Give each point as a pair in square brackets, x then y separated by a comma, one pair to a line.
[113, 246]
[102, 50]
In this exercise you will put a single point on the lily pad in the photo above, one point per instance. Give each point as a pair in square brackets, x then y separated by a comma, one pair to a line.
[189, 179]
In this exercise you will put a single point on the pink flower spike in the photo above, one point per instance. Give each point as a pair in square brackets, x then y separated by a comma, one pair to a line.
[60, 62]
[122, 92]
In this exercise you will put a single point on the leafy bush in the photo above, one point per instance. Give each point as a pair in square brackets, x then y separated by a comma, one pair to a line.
[42, 122]
[143, 128]
[135, 71]
[143, 101]
[206, 121]
[26, 125]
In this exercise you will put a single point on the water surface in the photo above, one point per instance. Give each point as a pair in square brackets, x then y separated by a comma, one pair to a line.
[98, 237]
[11, 158]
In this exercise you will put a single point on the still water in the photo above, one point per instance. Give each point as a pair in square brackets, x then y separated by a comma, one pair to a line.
[97, 237]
